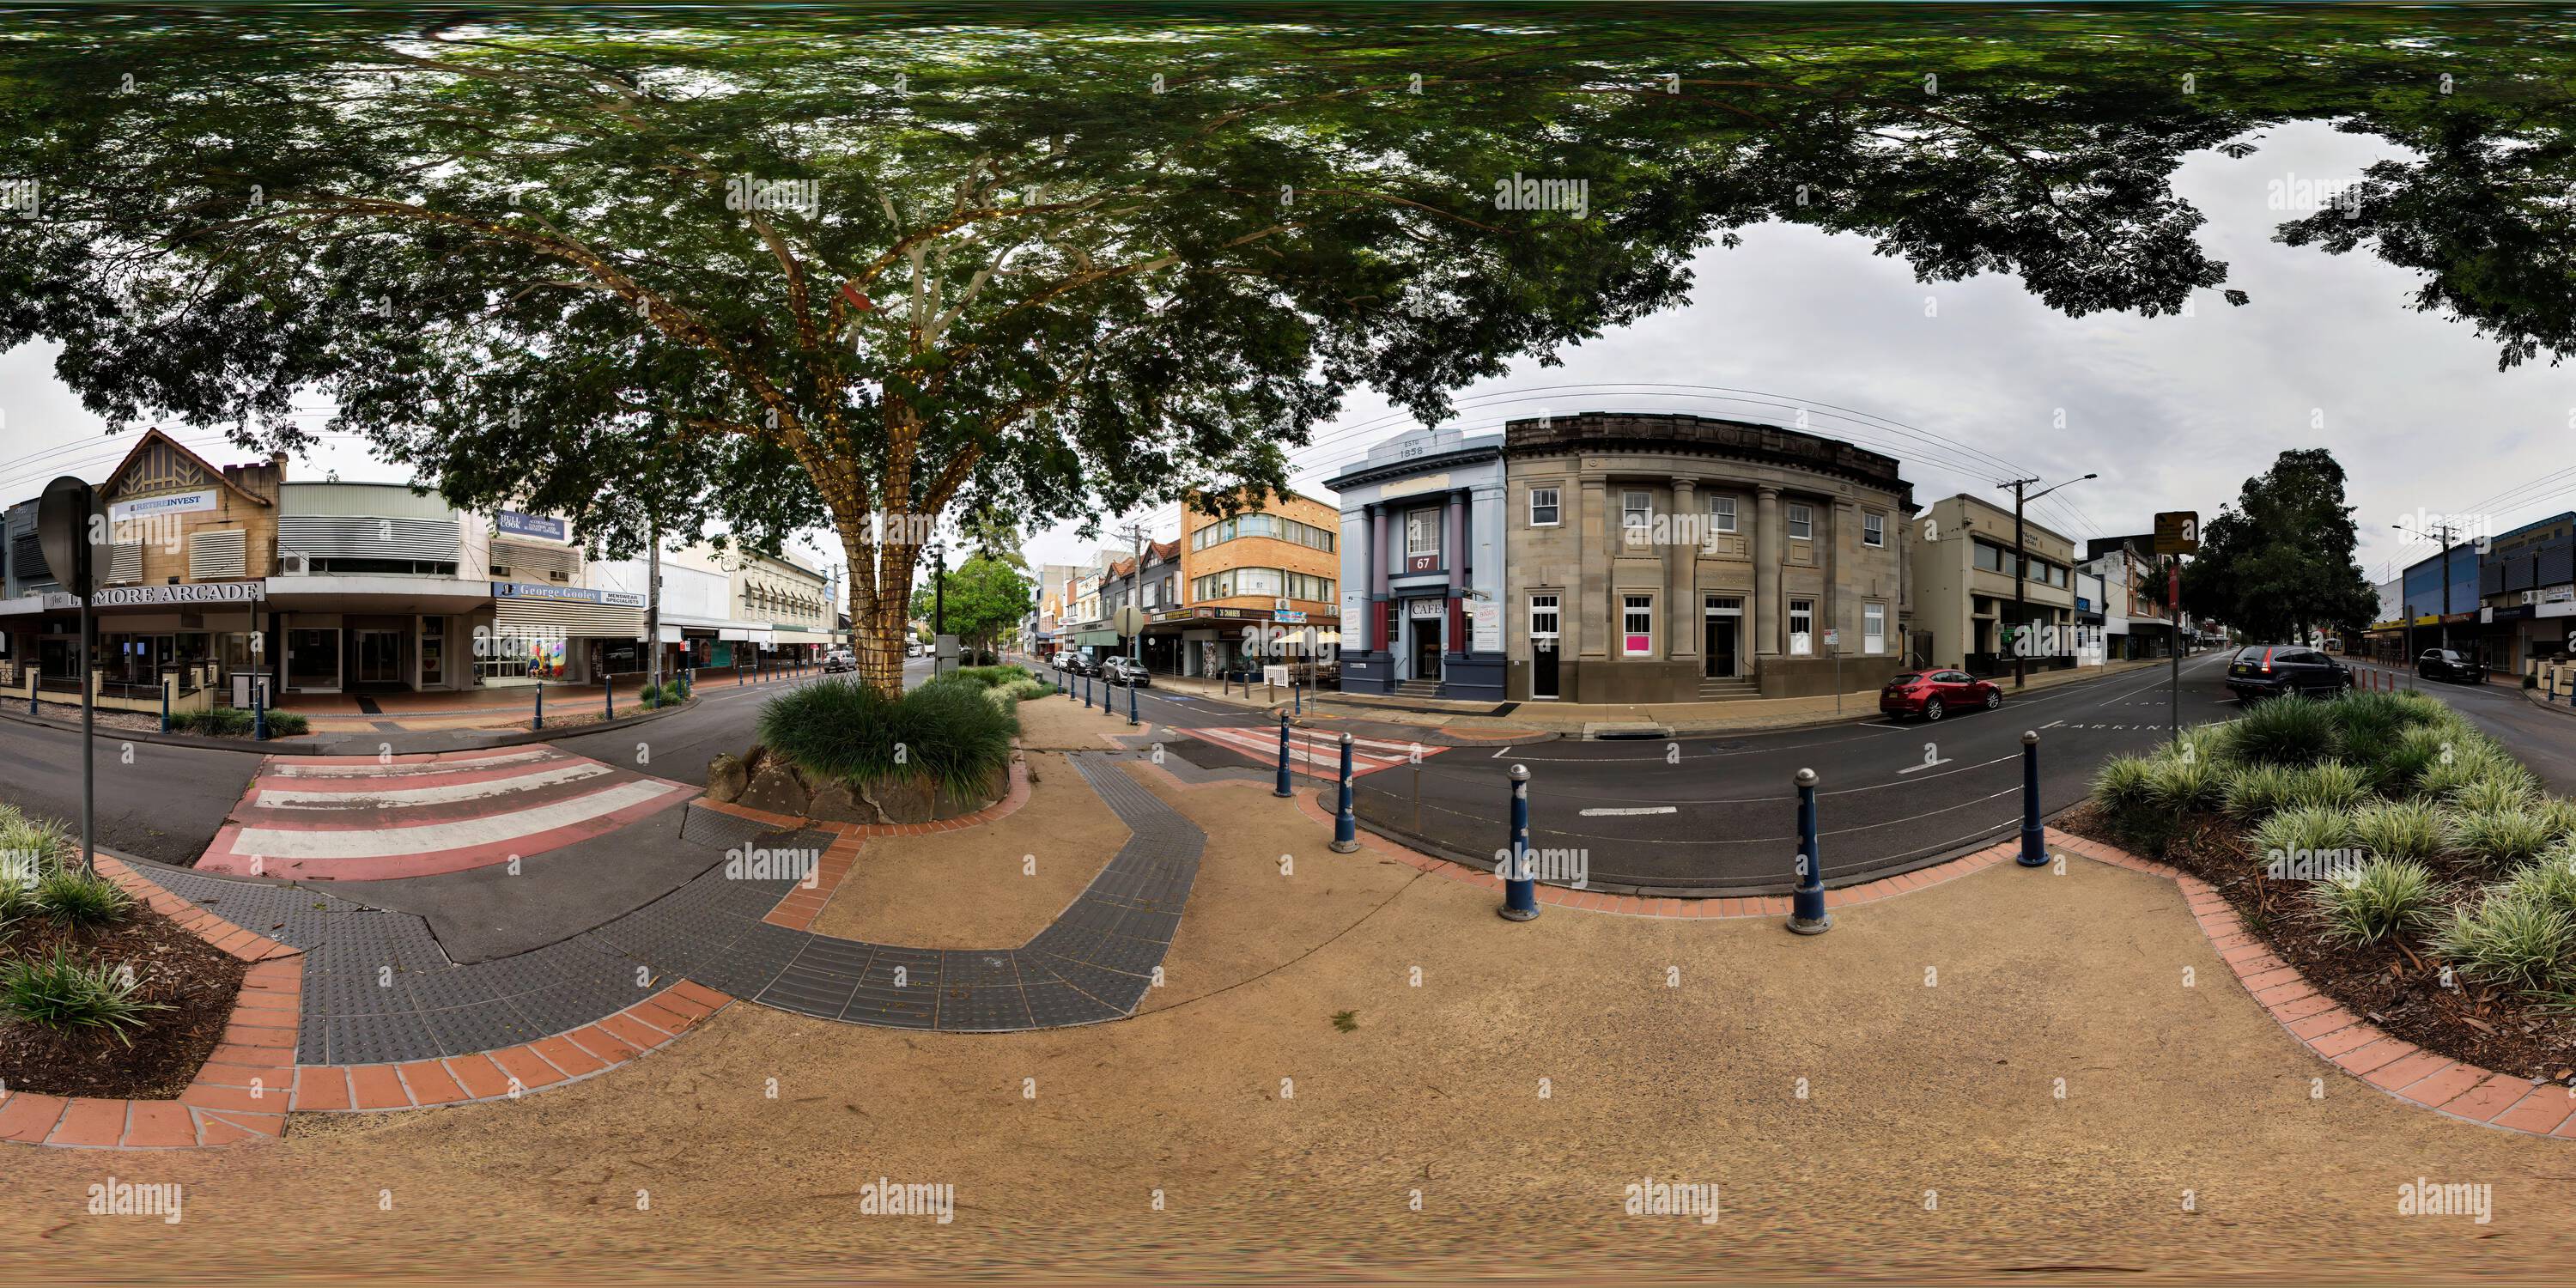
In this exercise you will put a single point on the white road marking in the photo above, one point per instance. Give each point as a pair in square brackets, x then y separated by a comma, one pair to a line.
[1650, 809]
[1925, 765]
[415, 769]
[278, 799]
[392, 842]
[1498, 755]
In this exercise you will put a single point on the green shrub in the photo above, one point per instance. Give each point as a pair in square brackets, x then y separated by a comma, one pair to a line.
[2559, 814]
[2294, 732]
[288, 724]
[236, 722]
[2307, 828]
[2399, 829]
[2478, 773]
[2516, 941]
[2488, 794]
[2385, 897]
[2123, 786]
[71, 897]
[2179, 784]
[2254, 791]
[2551, 880]
[947, 732]
[2500, 838]
[988, 676]
[60, 993]
[2329, 784]
[2367, 724]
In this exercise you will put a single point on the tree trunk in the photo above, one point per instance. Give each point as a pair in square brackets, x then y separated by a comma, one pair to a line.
[879, 621]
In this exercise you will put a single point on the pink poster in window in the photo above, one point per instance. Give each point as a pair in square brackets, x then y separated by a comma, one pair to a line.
[1639, 643]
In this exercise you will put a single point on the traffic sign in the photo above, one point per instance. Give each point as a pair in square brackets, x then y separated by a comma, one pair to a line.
[1129, 620]
[2178, 532]
[66, 518]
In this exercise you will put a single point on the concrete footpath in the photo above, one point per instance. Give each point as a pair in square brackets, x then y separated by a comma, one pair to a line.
[1572, 719]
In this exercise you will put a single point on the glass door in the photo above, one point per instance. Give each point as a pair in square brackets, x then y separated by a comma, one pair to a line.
[379, 657]
[433, 652]
[313, 659]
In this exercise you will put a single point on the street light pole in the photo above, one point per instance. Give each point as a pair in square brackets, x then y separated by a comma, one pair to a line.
[2443, 624]
[938, 601]
[2021, 568]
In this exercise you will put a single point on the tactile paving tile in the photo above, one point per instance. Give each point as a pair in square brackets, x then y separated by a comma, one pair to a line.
[984, 1010]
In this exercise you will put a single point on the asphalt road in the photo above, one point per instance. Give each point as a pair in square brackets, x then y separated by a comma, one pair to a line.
[1720, 814]
[155, 802]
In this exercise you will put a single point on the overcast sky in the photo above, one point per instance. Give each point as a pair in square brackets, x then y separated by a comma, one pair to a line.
[2173, 413]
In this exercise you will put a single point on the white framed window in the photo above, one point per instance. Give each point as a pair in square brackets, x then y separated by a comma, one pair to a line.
[1802, 522]
[1421, 533]
[1636, 513]
[1257, 581]
[1873, 530]
[1873, 629]
[1721, 514]
[1723, 606]
[1544, 620]
[1543, 507]
[1802, 628]
[1637, 625]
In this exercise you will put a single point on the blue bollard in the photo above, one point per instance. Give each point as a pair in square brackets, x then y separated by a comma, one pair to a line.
[1296, 698]
[1109, 697]
[1346, 825]
[1086, 692]
[1807, 915]
[608, 695]
[1520, 891]
[1283, 757]
[2034, 839]
[258, 711]
[165, 705]
[540, 721]
[1131, 702]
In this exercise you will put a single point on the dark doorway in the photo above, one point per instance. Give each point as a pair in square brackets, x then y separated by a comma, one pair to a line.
[1426, 648]
[1719, 647]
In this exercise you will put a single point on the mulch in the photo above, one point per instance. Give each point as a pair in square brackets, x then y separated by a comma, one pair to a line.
[194, 978]
[2396, 986]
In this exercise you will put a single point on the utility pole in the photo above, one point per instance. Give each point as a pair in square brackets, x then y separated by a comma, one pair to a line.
[2021, 569]
[653, 605]
[1136, 591]
[2444, 625]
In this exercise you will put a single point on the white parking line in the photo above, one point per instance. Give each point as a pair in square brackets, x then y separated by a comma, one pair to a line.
[1649, 809]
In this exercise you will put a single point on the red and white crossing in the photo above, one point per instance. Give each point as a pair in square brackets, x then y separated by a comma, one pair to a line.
[361, 818]
[1314, 752]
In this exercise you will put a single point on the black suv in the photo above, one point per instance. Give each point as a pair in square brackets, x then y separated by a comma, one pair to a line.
[2271, 670]
[2444, 664]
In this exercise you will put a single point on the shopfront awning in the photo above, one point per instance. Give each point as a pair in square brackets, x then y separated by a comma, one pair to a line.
[1094, 637]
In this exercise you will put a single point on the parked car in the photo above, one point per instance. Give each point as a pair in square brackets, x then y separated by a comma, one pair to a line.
[2447, 664]
[2273, 670]
[1934, 694]
[1076, 664]
[840, 659]
[1128, 671]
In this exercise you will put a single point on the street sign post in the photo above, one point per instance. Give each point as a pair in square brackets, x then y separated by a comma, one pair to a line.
[2178, 532]
[68, 528]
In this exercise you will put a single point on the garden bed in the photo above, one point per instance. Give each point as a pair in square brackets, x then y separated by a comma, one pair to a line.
[172, 967]
[2392, 854]
[99, 994]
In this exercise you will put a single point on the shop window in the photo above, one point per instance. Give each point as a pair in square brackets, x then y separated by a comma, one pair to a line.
[1802, 628]
[1637, 625]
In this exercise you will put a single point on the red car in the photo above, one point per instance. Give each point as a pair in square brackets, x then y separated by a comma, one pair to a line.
[1933, 694]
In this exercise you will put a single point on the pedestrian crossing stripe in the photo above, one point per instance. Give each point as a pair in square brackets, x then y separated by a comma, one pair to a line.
[1313, 753]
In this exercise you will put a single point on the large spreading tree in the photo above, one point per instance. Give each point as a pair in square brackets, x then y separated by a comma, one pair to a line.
[771, 272]
[2280, 560]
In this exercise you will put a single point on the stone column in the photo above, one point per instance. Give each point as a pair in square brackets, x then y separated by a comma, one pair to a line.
[1377, 639]
[1597, 531]
[1682, 617]
[1764, 623]
[1454, 556]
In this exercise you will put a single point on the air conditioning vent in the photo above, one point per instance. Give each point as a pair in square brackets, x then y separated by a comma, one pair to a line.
[294, 563]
